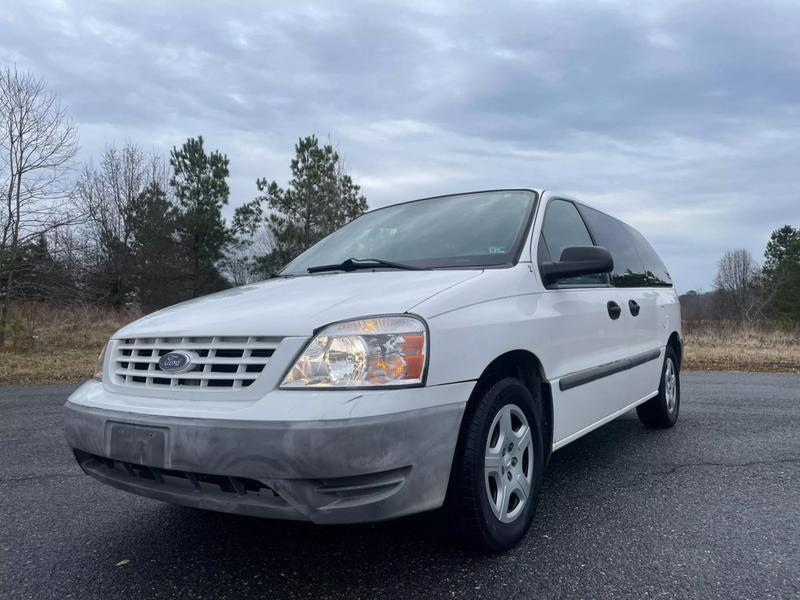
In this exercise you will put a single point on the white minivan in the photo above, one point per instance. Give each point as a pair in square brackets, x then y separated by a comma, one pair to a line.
[431, 353]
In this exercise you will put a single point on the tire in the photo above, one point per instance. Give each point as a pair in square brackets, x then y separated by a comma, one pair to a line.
[494, 426]
[662, 410]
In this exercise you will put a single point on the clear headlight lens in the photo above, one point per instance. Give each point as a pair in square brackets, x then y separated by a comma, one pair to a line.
[98, 368]
[363, 353]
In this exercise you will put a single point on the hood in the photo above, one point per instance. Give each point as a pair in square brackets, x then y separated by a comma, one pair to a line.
[296, 306]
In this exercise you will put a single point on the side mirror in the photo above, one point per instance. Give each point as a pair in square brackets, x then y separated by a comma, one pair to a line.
[576, 261]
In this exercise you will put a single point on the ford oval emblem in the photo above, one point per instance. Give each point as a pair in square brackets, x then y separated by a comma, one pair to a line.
[175, 362]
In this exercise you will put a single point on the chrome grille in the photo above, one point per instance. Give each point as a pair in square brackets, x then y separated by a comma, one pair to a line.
[216, 362]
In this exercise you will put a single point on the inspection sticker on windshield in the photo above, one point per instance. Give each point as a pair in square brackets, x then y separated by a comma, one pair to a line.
[497, 249]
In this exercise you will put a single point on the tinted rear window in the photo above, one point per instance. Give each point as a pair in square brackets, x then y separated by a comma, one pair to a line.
[636, 264]
[616, 237]
[657, 274]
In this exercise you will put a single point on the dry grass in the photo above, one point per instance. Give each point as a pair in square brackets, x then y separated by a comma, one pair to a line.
[715, 346]
[57, 344]
[60, 345]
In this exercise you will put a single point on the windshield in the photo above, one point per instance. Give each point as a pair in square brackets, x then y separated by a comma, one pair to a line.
[480, 229]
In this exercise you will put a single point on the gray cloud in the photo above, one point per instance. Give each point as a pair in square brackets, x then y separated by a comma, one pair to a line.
[680, 117]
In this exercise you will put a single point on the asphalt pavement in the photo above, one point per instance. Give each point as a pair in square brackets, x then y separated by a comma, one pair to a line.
[708, 509]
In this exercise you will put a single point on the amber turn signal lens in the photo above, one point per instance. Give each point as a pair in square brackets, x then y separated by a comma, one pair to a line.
[414, 353]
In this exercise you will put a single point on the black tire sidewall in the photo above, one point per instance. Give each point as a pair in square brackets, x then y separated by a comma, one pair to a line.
[672, 418]
[500, 536]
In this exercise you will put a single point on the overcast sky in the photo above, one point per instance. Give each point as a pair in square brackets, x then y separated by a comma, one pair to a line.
[682, 118]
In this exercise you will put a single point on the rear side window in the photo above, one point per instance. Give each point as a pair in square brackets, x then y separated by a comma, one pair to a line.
[615, 237]
[635, 262]
[657, 274]
[563, 227]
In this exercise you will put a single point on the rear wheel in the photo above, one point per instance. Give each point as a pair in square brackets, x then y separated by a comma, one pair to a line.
[662, 410]
[498, 470]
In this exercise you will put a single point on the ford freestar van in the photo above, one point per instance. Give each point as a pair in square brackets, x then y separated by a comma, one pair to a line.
[428, 354]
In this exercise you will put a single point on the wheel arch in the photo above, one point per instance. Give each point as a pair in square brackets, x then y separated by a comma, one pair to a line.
[525, 366]
[676, 344]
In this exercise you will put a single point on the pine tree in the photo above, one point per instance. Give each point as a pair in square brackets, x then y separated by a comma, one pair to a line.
[778, 247]
[154, 223]
[320, 198]
[201, 190]
[782, 272]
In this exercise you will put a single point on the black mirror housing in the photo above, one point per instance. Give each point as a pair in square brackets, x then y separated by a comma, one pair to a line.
[576, 261]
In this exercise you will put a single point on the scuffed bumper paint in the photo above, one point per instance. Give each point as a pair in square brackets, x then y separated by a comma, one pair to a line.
[326, 471]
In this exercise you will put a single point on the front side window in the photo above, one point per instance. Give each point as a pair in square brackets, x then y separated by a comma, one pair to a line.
[563, 227]
[467, 230]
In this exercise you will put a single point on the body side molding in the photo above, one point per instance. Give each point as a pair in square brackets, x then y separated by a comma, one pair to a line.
[594, 373]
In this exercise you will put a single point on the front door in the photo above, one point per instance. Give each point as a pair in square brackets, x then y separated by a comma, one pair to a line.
[586, 332]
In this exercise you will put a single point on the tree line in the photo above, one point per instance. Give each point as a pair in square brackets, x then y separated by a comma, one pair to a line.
[749, 292]
[139, 228]
[133, 228]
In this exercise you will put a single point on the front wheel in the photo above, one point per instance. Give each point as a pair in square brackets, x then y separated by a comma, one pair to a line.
[498, 470]
[661, 411]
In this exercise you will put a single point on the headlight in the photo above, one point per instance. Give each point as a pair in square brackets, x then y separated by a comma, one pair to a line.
[374, 352]
[98, 368]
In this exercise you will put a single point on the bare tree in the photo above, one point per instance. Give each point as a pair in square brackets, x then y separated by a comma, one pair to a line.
[240, 264]
[37, 145]
[68, 248]
[236, 265]
[107, 195]
[738, 283]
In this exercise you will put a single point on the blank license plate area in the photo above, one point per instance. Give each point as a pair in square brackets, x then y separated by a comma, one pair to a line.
[137, 443]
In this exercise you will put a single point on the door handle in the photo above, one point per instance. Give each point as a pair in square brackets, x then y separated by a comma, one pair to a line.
[634, 306]
[614, 310]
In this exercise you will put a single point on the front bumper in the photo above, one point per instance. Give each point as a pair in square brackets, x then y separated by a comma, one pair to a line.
[327, 471]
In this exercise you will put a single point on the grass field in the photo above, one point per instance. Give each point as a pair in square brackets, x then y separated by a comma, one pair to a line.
[61, 344]
[57, 344]
[736, 347]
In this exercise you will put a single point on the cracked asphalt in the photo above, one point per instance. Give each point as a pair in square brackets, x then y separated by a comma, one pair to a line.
[709, 509]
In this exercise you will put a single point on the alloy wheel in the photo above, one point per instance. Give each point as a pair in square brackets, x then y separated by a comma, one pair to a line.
[508, 463]
[670, 386]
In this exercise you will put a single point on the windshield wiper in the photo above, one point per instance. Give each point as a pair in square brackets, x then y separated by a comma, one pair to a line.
[354, 264]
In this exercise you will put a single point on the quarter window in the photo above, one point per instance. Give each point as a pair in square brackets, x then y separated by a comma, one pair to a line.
[657, 274]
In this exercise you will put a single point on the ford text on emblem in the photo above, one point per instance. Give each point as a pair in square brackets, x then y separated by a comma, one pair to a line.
[175, 362]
